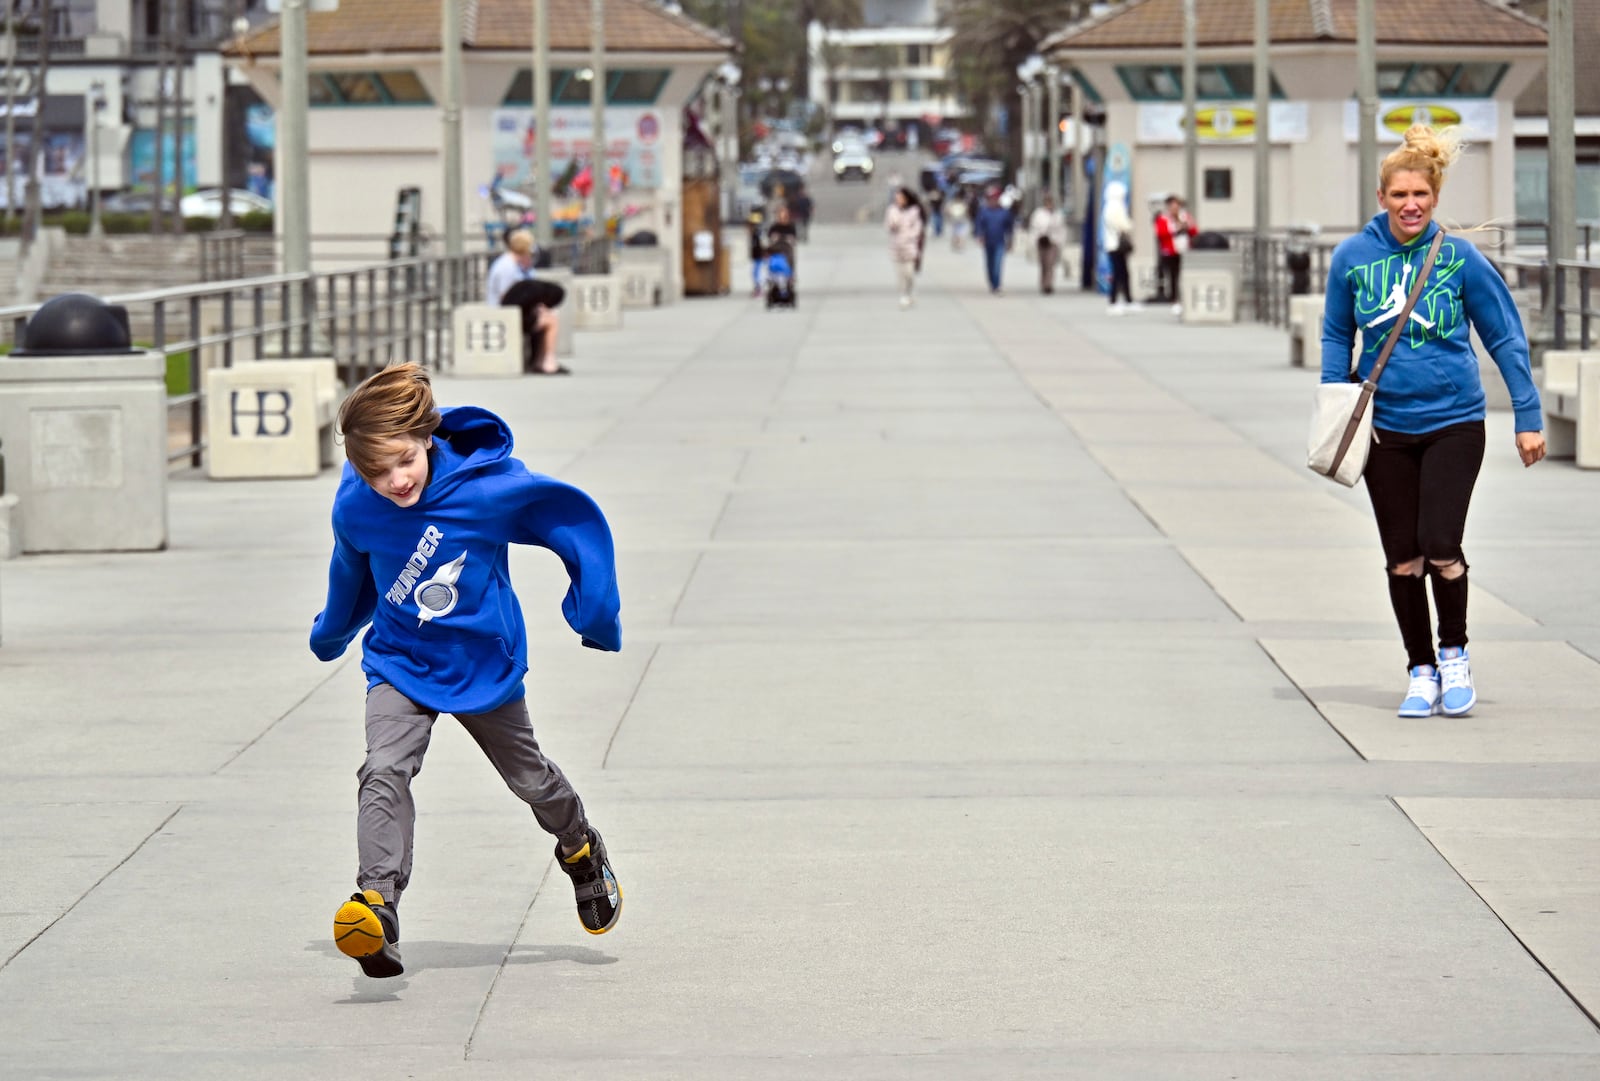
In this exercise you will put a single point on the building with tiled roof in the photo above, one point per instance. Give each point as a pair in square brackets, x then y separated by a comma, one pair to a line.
[1533, 125]
[374, 122]
[1444, 61]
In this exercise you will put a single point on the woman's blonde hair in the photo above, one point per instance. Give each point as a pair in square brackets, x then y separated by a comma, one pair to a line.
[396, 403]
[1423, 150]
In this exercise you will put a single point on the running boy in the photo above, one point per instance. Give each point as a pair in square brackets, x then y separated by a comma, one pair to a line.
[427, 506]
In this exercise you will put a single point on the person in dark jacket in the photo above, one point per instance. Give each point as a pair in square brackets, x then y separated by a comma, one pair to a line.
[993, 227]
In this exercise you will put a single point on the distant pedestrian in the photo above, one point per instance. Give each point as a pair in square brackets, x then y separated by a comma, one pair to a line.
[428, 504]
[905, 225]
[936, 210]
[758, 251]
[1428, 411]
[993, 228]
[1174, 229]
[960, 216]
[801, 207]
[511, 282]
[1117, 235]
[1048, 231]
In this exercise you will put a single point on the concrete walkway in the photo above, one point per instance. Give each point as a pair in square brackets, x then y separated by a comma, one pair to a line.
[1001, 698]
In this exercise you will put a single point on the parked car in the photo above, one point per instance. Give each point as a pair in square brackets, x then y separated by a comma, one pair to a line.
[207, 203]
[748, 195]
[852, 161]
[129, 202]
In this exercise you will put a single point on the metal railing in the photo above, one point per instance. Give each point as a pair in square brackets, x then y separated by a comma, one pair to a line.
[1576, 283]
[364, 318]
[229, 254]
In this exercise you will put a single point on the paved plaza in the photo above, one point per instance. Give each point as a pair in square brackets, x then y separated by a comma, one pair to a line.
[1000, 698]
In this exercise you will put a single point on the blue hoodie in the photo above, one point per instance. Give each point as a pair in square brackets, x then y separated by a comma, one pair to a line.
[433, 579]
[1431, 380]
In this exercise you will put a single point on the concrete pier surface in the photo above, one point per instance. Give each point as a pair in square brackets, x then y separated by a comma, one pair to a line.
[1001, 697]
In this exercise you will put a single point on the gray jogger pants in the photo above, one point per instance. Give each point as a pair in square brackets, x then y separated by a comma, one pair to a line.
[397, 737]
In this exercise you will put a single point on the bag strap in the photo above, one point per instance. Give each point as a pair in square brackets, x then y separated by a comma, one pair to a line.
[1370, 384]
[1405, 313]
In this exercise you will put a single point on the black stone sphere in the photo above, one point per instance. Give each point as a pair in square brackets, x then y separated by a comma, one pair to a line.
[75, 324]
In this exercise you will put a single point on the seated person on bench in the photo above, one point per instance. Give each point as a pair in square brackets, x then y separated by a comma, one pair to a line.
[510, 282]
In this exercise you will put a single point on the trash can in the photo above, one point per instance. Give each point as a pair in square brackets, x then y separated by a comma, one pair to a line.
[1297, 259]
[84, 418]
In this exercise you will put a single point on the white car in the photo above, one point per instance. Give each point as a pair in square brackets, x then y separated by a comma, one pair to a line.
[207, 203]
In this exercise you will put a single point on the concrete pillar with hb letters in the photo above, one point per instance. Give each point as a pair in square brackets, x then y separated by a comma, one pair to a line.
[486, 340]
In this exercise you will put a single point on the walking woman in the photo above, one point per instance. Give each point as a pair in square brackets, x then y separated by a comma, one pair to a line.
[904, 222]
[1117, 234]
[1428, 412]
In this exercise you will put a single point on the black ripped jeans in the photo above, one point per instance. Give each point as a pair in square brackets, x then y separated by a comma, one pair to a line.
[1420, 487]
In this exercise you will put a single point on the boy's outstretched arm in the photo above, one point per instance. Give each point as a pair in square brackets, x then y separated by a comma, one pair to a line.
[352, 598]
[563, 519]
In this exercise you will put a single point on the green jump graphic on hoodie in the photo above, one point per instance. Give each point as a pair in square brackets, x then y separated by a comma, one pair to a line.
[1382, 286]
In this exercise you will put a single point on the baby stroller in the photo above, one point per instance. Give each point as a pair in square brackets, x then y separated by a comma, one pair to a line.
[780, 281]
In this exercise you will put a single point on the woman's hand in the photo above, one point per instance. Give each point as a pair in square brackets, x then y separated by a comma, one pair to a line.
[1530, 447]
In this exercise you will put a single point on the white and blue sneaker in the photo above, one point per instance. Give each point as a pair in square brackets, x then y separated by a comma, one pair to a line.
[1422, 697]
[1455, 682]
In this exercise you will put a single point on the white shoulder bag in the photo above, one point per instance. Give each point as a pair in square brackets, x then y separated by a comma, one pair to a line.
[1341, 420]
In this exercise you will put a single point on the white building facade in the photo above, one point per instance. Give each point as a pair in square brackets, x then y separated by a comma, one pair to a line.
[891, 72]
[1465, 72]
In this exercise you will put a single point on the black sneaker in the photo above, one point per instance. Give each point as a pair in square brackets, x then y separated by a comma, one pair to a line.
[594, 884]
[367, 929]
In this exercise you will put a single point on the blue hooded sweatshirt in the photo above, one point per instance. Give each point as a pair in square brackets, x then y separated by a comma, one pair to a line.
[433, 578]
[1431, 380]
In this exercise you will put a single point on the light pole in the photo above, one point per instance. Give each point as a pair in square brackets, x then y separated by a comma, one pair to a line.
[543, 226]
[1029, 95]
[97, 102]
[728, 136]
[600, 167]
[1052, 133]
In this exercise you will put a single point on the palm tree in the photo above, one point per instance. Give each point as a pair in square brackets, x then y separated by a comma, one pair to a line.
[991, 38]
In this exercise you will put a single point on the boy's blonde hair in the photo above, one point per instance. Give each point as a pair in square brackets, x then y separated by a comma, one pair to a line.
[1423, 150]
[396, 403]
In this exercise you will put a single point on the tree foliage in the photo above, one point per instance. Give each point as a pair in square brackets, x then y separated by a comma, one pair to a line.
[990, 38]
[771, 34]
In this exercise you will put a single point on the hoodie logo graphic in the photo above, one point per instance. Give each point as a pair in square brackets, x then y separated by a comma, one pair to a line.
[437, 596]
[1399, 293]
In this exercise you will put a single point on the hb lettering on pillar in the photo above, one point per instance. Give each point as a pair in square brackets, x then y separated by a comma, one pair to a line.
[485, 336]
[271, 423]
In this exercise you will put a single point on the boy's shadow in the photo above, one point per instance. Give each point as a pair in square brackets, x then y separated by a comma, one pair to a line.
[422, 955]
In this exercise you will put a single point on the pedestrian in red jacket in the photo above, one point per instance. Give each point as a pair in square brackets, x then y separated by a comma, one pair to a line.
[1174, 229]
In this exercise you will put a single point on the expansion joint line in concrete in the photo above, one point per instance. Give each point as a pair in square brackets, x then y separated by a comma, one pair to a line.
[628, 706]
[1312, 702]
[96, 885]
[1565, 990]
[261, 735]
[483, 1007]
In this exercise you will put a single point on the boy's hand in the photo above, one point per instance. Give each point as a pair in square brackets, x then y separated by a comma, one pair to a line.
[1530, 447]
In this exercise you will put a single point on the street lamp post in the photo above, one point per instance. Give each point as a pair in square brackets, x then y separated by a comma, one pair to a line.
[97, 102]
[600, 164]
[1052, 133]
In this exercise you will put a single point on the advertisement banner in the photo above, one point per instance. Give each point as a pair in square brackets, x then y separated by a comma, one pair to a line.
[633, 144]
[1223, 122]
[1478, 118]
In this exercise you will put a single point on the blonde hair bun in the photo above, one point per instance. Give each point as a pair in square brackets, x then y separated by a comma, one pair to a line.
[1425, 150]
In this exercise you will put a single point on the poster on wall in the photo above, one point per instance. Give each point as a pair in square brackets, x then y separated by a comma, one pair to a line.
[61, 168]
[634, 145]
[142, 159]
[1477, 118]
[1223, 122]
